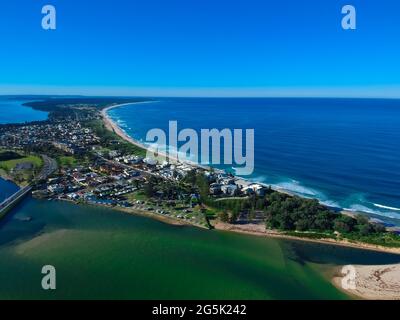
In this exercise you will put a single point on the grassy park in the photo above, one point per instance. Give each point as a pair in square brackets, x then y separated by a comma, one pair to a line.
[19, 167]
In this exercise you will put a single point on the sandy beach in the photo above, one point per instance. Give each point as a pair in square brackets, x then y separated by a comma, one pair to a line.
[259, 230]
[374, 282]
[112, 126]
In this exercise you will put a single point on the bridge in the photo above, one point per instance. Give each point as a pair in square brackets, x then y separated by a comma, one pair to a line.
[10, 202]
[49, 166]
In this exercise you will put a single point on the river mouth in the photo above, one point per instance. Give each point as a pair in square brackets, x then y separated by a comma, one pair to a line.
[104, 254]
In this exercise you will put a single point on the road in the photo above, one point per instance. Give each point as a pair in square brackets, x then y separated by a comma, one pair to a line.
[49, 166]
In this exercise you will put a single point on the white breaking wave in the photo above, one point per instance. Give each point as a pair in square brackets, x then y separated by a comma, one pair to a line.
[331, 203]
[361, 208]
[295, 187]
[122, 123]
[385, 207]
[260, 179]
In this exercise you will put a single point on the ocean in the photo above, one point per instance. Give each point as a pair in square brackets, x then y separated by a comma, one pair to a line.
[344, 152]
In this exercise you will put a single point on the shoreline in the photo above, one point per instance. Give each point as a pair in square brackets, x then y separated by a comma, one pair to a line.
[255, 230]
[248, 229]
[136, 212]
[112, 126]
[165, 219]
[8, 178]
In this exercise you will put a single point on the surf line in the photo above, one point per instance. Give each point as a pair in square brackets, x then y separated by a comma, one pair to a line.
[386, 207]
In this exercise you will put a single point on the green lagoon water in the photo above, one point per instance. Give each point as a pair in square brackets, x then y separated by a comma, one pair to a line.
[101, 253]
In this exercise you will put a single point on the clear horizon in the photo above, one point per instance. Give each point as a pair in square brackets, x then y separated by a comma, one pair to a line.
[356, 93]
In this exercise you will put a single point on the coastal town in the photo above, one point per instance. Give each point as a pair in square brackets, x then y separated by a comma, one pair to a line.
[110, 177]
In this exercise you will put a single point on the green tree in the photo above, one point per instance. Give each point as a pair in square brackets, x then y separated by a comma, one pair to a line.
[366, 229]
[344, 224]
[233, 216]
[223, 216]
[252, 215]
[149, 189]
[203, 187]
[302, 225]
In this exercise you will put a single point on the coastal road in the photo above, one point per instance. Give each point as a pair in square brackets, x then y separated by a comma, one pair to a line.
[49, 166]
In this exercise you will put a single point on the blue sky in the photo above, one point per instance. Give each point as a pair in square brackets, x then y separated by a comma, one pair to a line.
[207, 47]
